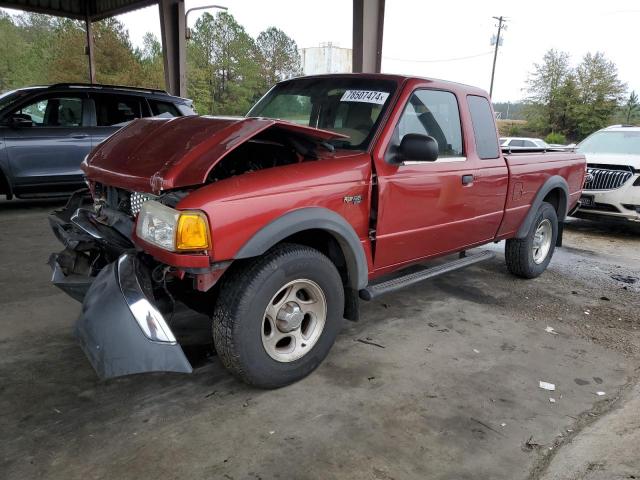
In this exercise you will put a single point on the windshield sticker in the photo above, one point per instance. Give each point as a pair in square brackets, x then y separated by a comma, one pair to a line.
[366, 96]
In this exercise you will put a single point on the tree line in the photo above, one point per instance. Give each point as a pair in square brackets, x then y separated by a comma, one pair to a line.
[570, 102]
[227, 69]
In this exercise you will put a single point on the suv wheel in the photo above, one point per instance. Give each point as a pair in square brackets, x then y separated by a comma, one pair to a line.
[528, 257]
[277, 317]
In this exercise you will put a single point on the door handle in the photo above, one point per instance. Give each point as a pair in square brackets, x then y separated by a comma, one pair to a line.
[79, 135]
[467, 179]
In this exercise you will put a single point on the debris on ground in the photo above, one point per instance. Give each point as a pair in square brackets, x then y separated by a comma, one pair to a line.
[475, 350]
[600, 394]
[552, 400]
[551, 330]
[624, 278]
[368, 341]
[547, 385]
[531, 444]
[489, 427]
[606, 299]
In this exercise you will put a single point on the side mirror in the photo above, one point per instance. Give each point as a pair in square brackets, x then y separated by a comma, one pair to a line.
[418, 148]
[19, 120]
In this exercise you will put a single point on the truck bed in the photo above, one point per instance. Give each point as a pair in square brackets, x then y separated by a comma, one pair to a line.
[530, 169]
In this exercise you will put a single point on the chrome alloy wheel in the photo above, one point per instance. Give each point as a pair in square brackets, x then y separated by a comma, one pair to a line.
[542, 241]
[294, 320]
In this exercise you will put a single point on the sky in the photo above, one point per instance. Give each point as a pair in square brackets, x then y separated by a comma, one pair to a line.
[449, 39]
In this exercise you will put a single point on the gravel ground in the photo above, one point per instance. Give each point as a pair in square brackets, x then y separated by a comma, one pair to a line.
[451, 391]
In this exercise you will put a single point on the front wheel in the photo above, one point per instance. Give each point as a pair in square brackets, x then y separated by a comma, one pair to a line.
[277, 316]
[528, 257]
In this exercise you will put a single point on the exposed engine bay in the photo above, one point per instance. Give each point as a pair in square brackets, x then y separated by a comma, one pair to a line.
[272, 148]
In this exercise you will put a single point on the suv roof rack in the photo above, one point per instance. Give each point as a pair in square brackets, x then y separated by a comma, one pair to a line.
[101, 85]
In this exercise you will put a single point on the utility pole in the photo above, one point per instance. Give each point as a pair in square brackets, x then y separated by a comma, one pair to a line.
[501, 24]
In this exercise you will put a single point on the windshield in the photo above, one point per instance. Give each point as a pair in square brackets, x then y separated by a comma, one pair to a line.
[350, 106]
[616, 142]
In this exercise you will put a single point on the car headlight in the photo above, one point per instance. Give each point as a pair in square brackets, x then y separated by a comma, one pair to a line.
[171, 229]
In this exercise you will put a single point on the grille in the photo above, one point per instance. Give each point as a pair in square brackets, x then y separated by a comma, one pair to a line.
[605, 179]
[137, 199]
[122, 200]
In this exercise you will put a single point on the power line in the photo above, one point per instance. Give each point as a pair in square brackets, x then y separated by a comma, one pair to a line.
[455, 59]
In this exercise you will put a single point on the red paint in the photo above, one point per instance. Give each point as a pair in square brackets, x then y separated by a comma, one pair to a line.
[155, 154]
[424, 211]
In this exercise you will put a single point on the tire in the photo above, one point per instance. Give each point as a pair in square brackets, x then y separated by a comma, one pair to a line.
[524, 257]
[252, 294]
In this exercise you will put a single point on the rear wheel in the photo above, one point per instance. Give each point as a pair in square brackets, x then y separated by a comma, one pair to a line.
[528, 257]
[277, 317]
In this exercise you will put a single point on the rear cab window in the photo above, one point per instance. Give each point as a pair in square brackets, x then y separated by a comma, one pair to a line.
[484, 127]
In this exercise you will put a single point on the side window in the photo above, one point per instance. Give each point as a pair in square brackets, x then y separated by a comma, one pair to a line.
[117, 109]
[529, 144]
[434, 113]
[484, 127]
[517, 143]
[166, 109]
[53, 112]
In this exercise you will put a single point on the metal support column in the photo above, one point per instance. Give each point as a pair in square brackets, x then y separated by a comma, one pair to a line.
[368, 25]
[172, 26]
[90, 47]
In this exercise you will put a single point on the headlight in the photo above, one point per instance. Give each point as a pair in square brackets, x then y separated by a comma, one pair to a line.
[172, 229]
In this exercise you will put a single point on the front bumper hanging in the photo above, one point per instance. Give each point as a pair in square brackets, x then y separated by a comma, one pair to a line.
[120, 329]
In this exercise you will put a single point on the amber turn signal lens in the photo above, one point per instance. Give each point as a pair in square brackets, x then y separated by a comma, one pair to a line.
[193, 232]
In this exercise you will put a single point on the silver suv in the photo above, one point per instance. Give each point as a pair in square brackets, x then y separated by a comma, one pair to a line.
[612, 187]
[45, 132]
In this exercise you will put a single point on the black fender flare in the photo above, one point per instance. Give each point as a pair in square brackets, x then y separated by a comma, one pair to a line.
[554, 182]
[313, 218]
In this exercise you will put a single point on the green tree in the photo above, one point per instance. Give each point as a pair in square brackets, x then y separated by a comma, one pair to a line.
[572, 102]
[546, 105]
[279, 57]
[225, 67]
[151, 61]
[631, 106]
[600, 92]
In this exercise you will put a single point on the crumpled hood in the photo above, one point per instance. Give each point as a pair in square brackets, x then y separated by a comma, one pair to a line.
[613, 159]
[155, 154]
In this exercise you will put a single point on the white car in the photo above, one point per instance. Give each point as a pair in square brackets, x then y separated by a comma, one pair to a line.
[612, 186]
[516, 143]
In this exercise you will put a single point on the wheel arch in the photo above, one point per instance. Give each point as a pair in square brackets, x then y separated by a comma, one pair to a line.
[555, 191]
[301, 224]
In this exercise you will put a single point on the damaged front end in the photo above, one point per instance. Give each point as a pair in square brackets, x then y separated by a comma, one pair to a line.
[89, 244]
[121, 327]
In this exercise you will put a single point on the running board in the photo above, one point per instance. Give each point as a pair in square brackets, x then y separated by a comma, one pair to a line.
[375, 290]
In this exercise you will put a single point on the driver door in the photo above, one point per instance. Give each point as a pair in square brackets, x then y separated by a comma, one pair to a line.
[46, 156]
[425, 208]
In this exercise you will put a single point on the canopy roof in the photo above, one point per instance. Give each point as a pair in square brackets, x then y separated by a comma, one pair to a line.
[78, 9]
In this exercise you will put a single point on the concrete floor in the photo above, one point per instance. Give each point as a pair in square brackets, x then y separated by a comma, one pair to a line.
[453, 394]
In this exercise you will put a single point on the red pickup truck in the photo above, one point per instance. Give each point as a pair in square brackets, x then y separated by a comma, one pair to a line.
[274, 226]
